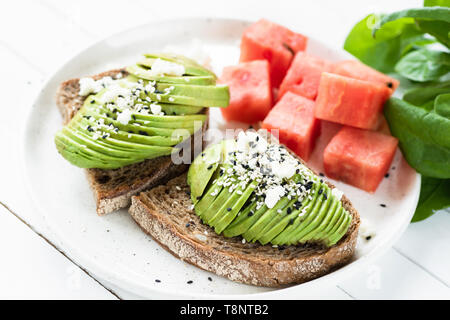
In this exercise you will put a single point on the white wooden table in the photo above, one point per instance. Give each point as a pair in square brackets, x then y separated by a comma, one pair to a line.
[37, 36]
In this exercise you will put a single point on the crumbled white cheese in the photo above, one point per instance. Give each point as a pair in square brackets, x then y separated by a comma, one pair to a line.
[273, 195]
[115, 91]
[337, 193]
[125, 116]
[166, 68]
[155, 109]
[89, 85]
[284, 169]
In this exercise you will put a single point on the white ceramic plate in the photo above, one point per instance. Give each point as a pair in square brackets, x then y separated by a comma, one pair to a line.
[113, 248]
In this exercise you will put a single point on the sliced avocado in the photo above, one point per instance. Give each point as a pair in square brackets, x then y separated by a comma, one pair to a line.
[225, 217]
[210, 96]
[143, 73]
[255, 230]
[311, 230]
[320, 233]
[287, 233]
[204, 202]
[284, 220]
[202, 169]
[341, 230]
[191, 67]
[243, 221]
[222, 200]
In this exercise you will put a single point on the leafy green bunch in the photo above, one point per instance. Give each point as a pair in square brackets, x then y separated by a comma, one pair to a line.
[413, 45]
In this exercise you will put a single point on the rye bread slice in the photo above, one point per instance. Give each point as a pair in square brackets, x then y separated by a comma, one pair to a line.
[114, 188]
[166, 214]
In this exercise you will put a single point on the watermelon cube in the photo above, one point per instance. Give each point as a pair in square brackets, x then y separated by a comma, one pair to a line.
[274, 43]
[358, 70]
[250, 91]
[359, 157]
[298, 129]
[349, 101]
[303, 76]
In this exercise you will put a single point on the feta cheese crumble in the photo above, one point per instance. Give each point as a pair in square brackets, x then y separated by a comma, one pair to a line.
[166, 68]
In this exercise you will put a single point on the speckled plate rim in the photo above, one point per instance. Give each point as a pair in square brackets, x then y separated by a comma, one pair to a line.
[128, 284]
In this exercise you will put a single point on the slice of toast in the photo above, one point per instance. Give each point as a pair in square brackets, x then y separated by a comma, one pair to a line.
[113, 189]
[166, 213]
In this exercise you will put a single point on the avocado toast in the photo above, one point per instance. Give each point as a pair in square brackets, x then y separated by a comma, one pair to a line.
[123, 125]
[251, 211]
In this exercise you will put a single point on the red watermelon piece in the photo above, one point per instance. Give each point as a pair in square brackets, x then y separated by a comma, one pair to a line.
[349, 101]
[359, 157]
[274, 43]
[298, 128]
[358, 70]
[303, 76]
[250, 91]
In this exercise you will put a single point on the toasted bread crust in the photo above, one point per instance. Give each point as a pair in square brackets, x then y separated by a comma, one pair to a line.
[165, 213]
[113, 189]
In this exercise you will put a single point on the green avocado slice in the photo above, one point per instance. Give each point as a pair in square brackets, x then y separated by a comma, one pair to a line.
[210, 96]
[130, 139]
[71, 147]
[202, 169]
[245, 220]
[321, 233]
[192, 68]
[314, 227]
[225, 217]
[254, 231]
[203, 203]
[312, 220]
[222, 200]
[299, 221]
[341, 230]
[143, 73]
[285, 220]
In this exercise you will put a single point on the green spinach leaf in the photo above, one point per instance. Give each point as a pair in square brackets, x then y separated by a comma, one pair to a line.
[434, 196]
[424, 96]
[424, 137]
[432, 13]
[392, 41]
[439, 3]
[424, 65]
[442, 105]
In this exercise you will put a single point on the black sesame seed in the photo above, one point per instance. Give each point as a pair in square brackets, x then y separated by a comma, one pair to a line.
[325, 196]
[251, 213]
[130, 131]
[114, 110]
[389, 84]
[157, 280]
[321, 174]
[209, 278]
[203, 154]
[289, 210]
[291, 221]
[92, 101]
[383, 205]
[198, 198]
[134, 117]
[209, 167]
[188, 225]
[105, 136]
[228, 209]
[190, 282]
[281, 248]
[386, 175]
[143, 133]
[368, 238]
[188, 193]
[320, 191]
